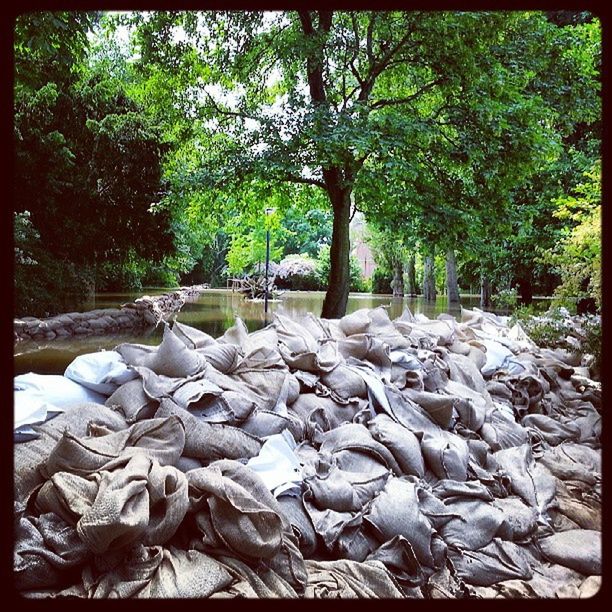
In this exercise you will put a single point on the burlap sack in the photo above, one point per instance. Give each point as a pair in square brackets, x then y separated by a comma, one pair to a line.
[519, 520]
[29, 456]
[348, 579]
[223, 357]
[475, 525]
[46, 549]
[397, 555]
[131, 401]
[531, 481]
[395, 511]
[171, 358]
[211, 441]
[192, 337]
[159, 439]
[500, 560]
[327, 486]
[356, 437]
[446, 454]
[142, 501]
[161, 573]
[401, 442]
[578, 549]
[345, 382]
[571, 461]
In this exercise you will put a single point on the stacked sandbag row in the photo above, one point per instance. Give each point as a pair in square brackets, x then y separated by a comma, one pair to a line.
[354, 457]
[145, 311]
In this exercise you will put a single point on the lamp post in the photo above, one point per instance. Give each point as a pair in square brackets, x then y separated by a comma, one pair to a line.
[268, 211]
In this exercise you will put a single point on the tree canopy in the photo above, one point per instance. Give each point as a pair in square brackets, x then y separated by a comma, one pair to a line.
[459, 129]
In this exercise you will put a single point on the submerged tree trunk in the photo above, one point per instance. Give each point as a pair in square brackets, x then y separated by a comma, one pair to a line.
[525, 290]
[429, 278]
[397, 284]
[452, 287]
[411, 273]
[334, 304]
[485, 291]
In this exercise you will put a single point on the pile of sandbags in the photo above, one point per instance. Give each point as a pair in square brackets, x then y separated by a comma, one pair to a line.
[359, 457]
[143, 312]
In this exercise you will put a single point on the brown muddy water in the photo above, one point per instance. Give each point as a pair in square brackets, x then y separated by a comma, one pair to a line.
[213, 311]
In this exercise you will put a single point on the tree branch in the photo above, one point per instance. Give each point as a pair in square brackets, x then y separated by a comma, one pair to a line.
[408, 99]
[377, 67]
[230, 113]
[292, 178]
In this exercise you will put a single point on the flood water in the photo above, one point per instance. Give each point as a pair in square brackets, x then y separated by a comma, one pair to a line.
[213, 311]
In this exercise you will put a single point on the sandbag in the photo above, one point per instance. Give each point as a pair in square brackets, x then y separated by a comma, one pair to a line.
[192, 337]
[159, 439]
[531, 481]
[395, 511]
[211, 441]
[171, 358]
[475, 525]
[330, 487]
[154, 572]
[499, 560]
[356, 437]
[446, 454]
[102, 372]
[113, 509]
[343, 578]
[578, 549]
[29, 456]
[46, 547]
[132, 402]
[401, 442]
[519, 520]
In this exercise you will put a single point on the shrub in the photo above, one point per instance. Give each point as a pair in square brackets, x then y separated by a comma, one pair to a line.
[505, 299]
[381, 281]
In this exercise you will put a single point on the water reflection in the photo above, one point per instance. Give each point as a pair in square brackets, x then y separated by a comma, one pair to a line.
[213, 312]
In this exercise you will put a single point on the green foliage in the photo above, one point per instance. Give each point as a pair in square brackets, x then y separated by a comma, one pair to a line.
[357, 282]
[577, 257]
[381, 280]
[505, 299]
[44, 286]
[549, 330]
[87, 162]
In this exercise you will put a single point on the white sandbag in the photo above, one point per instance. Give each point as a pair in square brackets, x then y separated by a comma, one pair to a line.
[54, 389]
[277, 464]
[103, 372]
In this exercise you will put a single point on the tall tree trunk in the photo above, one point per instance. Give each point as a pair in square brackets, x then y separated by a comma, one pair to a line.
[485, 291]
[452, 287]
[334, 304]
[429, 278]
[411, 272]
[397, 284]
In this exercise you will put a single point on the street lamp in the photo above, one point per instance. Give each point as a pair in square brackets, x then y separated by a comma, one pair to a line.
[268, 212]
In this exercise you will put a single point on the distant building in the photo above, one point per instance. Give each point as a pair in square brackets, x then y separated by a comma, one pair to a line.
[359, 247]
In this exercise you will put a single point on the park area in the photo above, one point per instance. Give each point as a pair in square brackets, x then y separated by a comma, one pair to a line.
[307, 304]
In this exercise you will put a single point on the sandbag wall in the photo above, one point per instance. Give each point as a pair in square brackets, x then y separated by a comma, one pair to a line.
[359, 457]
[144, 312]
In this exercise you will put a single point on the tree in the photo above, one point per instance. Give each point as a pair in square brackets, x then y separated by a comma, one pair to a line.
[88, 165]
[314, 97]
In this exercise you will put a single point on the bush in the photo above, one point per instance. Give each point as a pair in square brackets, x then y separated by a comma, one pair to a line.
[44, 286]
[505, 299]
[381, 281]
[552, 329]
